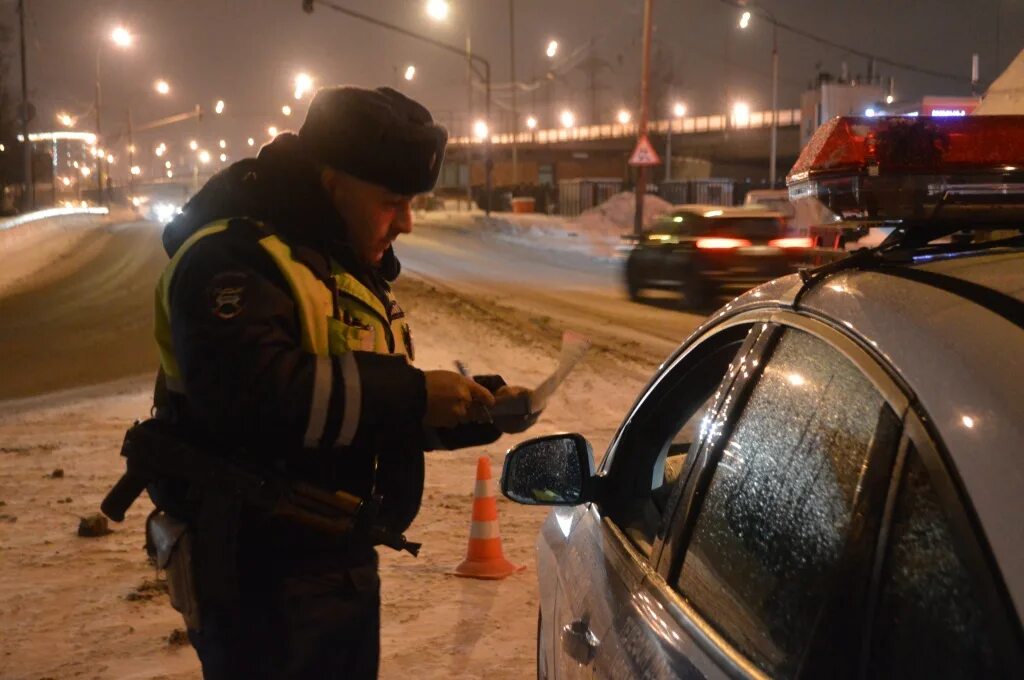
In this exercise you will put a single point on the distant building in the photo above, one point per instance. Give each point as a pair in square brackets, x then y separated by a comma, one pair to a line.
[836, 97]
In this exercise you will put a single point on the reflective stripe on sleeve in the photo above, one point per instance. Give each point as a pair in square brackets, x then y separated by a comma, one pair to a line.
[319, 401]
[353, 399]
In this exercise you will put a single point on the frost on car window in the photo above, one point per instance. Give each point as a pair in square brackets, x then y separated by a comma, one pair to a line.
[929, 622]
[777, 511]
[546, 471]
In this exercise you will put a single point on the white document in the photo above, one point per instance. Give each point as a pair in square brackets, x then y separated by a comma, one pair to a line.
[574, 346]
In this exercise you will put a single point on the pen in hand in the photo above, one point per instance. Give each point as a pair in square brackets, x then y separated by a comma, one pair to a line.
[464, 372]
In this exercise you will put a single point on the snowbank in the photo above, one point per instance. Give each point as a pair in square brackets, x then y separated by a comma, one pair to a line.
[1006, 94]
[28, 247]
[595, 233]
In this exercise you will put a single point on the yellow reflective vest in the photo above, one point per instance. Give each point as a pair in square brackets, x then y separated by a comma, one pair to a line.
[359, 322]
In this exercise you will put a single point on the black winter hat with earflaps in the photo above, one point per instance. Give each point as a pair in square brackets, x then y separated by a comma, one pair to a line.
[380, 136]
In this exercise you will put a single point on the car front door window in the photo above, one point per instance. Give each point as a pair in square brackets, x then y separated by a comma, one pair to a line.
[776, 515]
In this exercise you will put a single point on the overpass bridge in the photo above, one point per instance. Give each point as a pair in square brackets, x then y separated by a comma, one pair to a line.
[722, 146]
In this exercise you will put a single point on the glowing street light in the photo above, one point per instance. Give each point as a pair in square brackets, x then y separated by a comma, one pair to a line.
[85, 170]
[552, 49]
[250, 141]
[162, 87]
[66, 181]
[121, 37]
[679, 109]
[410, 72]
[303, 85]
[194, 145]
[438, 9]
[745, 19]
[223, 144]
[160, 151]
[170, 174]
[889, 99]
[480, 129]
[167, 164]
[286, 110]
[623, 117]
[204, 156]
[219, 106]
[272, 131]
[223, 158]
[567, 118]
[531, 122]
[741, 114]
[136, 170]
[110, 158]
[65, 119]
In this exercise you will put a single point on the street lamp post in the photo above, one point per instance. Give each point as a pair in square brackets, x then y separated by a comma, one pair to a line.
[121, 38]
[162, 88]
[645, 72]
[744, 22]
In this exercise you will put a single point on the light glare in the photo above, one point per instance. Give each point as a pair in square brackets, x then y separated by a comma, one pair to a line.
[122, 37]
[438, 9]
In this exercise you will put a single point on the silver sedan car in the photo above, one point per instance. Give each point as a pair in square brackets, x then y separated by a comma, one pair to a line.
[825, 480]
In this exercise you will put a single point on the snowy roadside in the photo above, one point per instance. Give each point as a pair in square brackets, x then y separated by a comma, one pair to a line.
[77, 607]
[596, 233]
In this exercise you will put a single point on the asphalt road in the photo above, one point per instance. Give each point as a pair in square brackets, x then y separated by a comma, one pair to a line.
[88, 317]
[585, 294]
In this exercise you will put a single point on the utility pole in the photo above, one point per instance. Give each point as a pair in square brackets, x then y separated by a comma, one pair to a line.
[512, 77]
[29, 199]
[645, 74]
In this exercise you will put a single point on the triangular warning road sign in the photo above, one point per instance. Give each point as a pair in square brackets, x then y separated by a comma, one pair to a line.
[644, 153]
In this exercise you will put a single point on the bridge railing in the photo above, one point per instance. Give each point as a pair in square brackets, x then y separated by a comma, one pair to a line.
[681, 126]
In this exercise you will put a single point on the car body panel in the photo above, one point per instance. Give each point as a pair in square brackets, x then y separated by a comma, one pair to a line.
[965, 384]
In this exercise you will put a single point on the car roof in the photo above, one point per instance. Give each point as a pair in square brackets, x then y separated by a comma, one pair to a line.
[953, 331]
[724, 212]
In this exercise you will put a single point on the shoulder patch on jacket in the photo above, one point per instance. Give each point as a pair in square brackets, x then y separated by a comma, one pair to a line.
[227, 294]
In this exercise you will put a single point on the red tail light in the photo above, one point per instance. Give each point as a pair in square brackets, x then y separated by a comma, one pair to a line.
[718, 243]
[794, 242]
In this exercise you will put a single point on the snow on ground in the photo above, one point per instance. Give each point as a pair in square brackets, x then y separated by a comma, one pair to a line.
[92, 608]
[596, 232]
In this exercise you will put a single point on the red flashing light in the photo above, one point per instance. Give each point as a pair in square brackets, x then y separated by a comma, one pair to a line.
[719, 243]
[903, 144]
[914, 168]
[793, 242]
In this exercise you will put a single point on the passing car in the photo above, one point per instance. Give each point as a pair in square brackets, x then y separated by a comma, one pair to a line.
[827, 478]
[702, 251]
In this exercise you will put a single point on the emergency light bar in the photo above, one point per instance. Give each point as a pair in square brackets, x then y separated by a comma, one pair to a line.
[901, 168]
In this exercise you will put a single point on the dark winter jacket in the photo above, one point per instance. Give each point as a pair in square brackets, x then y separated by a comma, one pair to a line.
[247, 378]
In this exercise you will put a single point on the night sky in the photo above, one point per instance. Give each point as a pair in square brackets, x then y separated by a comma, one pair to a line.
[246, 52]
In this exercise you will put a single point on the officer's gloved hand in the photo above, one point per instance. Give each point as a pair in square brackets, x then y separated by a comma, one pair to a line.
[453, 399]
[511, 409]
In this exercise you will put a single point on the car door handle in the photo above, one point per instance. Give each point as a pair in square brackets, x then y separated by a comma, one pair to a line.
[579, 642]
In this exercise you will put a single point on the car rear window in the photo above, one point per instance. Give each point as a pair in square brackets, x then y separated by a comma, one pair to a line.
[754, 228]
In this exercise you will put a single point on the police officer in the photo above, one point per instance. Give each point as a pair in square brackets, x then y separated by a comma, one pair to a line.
[282, 343]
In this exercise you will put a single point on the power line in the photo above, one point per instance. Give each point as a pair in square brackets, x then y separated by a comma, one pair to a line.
[853, 50]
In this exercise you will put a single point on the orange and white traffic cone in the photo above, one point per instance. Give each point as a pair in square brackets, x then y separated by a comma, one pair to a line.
[484, 556]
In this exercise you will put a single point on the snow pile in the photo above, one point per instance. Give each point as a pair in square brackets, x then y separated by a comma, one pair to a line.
[1006, 94]
[615, 216]
[595, 233]
[28, 248]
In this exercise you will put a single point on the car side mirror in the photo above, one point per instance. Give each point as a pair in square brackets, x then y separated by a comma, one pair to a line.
[556, 469]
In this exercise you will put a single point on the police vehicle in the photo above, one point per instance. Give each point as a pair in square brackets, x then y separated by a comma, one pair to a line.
[827, 478]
